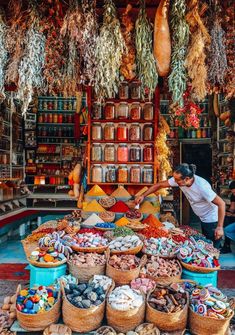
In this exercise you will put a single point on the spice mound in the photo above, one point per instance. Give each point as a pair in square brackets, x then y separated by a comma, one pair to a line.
[125, 243]
[210, 301]
[87, 259]
[93, 206]
[107, 202]
[96, 191]
[92, 220]
[119, 207]
[101, 281]
[106, 225]
[133, 214]
[124, 262]
[90, 240]
[159, 247]
[85, 295]
[123, 298]
[33, 301]
[168, 300]
[160, 267]
[143, 284]
[122, 231]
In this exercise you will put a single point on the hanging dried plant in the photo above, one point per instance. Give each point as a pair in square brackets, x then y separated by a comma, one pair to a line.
[217, 56]
[3, 54]
[15, 40]
[109, 51]
[196, 56]
[128, 60]
[71, 32]
[180, 39]
[32, 62]
[146, 64]
[89, 35]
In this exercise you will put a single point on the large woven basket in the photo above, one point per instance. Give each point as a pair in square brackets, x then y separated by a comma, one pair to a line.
[156, 330]
[35, 322]
[167, 280]
[132, 251]
[124, 277]
[199, 268]
[167, 321]
[99, 250]
[104, 329]
[58, 329]
[204, 325]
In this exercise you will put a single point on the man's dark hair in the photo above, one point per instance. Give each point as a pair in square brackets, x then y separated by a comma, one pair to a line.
[232, 185]
[186, 170]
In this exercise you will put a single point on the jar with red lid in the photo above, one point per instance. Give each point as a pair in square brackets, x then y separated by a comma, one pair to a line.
[135, 90]
[122, 132]
[135, 153]
[148, 132]
[122, 110]
[97, 111]
[109, 152]
[148, 153]
[135, 111]
[109, 111]
[148, 111]
[122, 153]
[135, 174]
[96, 132]
[123, 90]
[122, 174]
[109, 132]
[135, 132]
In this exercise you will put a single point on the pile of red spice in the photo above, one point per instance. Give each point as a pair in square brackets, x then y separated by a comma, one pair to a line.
[119, 207]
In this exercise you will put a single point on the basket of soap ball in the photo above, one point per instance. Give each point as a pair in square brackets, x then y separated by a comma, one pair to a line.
[106, 330]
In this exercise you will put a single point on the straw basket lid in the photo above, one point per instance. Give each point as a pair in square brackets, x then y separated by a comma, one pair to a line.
[199, 268]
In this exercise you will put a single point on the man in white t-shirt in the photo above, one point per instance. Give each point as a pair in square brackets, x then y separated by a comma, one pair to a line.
[206, 204]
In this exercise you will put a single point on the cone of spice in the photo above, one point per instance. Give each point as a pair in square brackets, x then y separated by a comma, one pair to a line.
[119, 207]
[148, 208]
[96, 191]
[152, 221]
[94, 206]
[121, 192]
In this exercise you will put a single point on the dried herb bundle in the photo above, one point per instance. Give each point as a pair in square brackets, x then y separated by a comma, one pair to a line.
[196, 56]
[89, 35]
[32, 62]
[146, 64]
[180, 39]
[3, 54]
[71, 31]
[109, 51]
[128, 60]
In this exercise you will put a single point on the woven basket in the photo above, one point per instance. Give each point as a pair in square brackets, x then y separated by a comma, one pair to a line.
[84, 273]
[48, 224]
[166, 280]
[82, 320]
[99, 250]
[204, 325]
[101, 200]
[133, 220]
[102, 330]
[59, 329]
[170, 256]
[29, 247]
[124, 321]
[48, 264]
[132, 251]
[35, 322]
[108, 220]
[167, 321]
[199, 268]
[136, 229]
[124, 277]
[156, 330]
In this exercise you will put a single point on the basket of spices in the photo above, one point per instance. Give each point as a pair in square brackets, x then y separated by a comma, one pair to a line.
[134, 215]
[107, 216]
[107, 202]
[167, 308]
[163, 247]
[128, 245]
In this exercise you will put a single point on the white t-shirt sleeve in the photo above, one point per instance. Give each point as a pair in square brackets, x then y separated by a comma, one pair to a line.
[172, 182]
[207, 193]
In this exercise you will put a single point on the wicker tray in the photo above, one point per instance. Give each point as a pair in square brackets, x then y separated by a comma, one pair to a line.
[133, 220]
[132, 251]
[99, 250]
[199, 268]
[48, 224]
[47, 264]
[104, 229]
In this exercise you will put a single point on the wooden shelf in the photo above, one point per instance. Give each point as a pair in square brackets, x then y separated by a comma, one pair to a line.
[116, 183]
[55, 124]
[123, 163]
[122, 142]
[121, 121]
[56, 111]
[117, 100]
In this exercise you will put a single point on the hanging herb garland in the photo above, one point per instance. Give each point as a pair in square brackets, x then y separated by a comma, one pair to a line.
[3, 54]
[196, 56]
[32, 62]
[180, 38]
[89, 35]
[71, 31]
[109, 51]
[146, 64]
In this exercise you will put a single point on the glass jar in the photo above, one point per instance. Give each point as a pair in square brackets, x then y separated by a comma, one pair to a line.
[109, 152]
[123, 90]
[109, 111]
[148, 111]
[135, 153]
[122, 110]
[96, 132]
[40, 118]
[148, 132]
[148, 153]
[122, 174]
[97, 111]
[110, 175]
[109, 132]
[135, 90]
[122, 132]
[135, 111]
[96, 153]
[148, 174]
[135, 132]
[122, 153]
[55, 118]
[135, 174]
[97, 173]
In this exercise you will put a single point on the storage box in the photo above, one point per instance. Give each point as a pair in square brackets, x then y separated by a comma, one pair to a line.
[45, 276]
[201, 278]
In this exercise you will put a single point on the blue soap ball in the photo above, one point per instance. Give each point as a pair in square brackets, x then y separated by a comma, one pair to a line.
[55, 294]
[25, 310]
[32, 292]
[20, 298]
[29, 304]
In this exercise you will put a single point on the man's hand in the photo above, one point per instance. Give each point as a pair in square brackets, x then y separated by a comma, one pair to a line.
[139, 199]
[219, 232]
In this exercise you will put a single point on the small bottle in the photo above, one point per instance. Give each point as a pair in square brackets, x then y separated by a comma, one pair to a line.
[194, 134]
[199, 133]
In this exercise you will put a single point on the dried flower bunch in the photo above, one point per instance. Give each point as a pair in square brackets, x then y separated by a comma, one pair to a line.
[146, 64]
[110, 48]
[180, 39]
